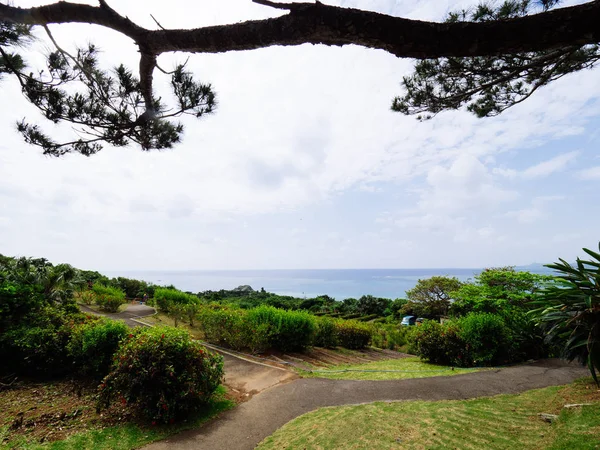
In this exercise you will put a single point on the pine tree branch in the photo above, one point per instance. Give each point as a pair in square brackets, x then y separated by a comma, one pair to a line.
[317, 23]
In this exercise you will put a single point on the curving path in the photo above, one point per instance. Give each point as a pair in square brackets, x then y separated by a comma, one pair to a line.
[248, 424]
[133, 311]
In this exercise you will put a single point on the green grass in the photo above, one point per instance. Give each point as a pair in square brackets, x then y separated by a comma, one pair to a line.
[501, 422]
[390, 369]
[126, 436]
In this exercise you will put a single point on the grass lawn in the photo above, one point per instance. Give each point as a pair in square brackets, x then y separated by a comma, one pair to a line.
[501, 422]
[58, 416]
[389, 369]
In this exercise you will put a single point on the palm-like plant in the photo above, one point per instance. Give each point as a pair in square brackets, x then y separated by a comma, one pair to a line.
[569, 310]
[56, 282]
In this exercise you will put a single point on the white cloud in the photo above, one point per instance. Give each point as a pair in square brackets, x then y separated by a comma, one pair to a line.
[300, 133]
[551, 166]
[592, 173]
[536, 211]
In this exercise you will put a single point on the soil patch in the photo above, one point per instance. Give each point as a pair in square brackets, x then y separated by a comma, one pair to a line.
[51, 411]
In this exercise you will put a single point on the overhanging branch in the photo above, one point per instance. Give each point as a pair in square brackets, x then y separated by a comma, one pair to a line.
[317, 23]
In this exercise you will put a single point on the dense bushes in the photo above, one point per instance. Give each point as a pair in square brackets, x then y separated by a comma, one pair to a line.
[280, 329]
[93, 343]
[36, 346]
[390, 336]
[165, 298]
[326, 333]
[224, 326]
[474, 340]
[266, 327]
[108, 298]
[486, 338]
[257, 329]
[163, 373]
[352, 334]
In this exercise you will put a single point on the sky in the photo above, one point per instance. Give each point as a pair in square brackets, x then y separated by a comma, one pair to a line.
[304, 165]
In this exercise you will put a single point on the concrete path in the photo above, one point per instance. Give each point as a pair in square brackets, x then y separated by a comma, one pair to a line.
[248, 379]
[132, 311]
[248, 424]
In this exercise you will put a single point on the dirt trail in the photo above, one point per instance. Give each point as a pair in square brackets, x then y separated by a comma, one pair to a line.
[248, 424]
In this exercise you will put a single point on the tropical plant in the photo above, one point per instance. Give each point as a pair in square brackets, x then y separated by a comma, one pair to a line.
[569, 310]
[57, 282]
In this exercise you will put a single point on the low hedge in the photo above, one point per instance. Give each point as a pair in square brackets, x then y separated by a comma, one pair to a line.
[266, 327]
[353, 334]
[224, 326]
[326, 333]
[280, 329]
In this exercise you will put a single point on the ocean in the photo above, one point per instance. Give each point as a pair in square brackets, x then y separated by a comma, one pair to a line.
[339, 284]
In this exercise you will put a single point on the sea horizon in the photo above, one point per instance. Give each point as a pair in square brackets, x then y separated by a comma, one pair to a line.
[337, 283]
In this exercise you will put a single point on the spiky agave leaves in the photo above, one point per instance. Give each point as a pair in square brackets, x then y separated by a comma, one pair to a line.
[569, 310]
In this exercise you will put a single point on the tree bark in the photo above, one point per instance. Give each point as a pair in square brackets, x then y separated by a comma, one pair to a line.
[315, 23]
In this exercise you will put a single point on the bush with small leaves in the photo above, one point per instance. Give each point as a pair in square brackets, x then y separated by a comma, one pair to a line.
[40, 349]
[165, 298]
[108, 298]
[94, 343]
[441, 344]
[486, 337]
[325, 333]
[163, 373]
[352, 334]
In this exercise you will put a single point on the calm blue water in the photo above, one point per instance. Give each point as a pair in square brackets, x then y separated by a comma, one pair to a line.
[340, 284]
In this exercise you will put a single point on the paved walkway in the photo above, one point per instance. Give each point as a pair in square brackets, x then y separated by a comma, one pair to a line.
[245, 426]
[132, 311]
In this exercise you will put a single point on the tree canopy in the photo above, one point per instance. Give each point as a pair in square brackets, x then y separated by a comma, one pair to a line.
[486, 59]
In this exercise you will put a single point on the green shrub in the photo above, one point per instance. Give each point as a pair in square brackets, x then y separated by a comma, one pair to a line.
[441, 344]
[285, 330]
[87, 297]
[93, 344]
[17, 300]
[389, 336]
[164, 298]
[35, 351]
[39, 350]
[476, 339]
[163, 373]
[325, 333]
[108, 298]
[224, 326]
[486, 337]
[352, 334]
